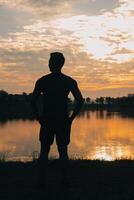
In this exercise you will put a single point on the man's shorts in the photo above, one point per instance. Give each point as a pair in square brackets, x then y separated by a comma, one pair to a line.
[55, 128]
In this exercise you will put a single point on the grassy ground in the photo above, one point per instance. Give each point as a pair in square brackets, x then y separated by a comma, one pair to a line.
[93, 180]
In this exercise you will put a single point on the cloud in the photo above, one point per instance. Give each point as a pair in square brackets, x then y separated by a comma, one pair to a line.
[12, 20]
[19, 71]
[97, 43]
[109, 31]
[51, 8]
[40, 8]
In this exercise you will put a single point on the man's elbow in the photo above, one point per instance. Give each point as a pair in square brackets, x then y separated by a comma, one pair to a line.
[80, 102]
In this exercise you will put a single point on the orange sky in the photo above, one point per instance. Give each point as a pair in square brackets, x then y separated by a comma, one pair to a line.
[96, 36]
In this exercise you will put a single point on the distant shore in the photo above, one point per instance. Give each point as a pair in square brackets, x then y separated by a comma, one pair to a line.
[18, 106]
[94, 180]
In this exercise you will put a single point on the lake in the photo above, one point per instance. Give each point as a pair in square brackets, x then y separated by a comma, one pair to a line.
[95, 135]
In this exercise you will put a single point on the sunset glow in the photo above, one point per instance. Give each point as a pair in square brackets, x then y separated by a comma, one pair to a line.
[96, 37]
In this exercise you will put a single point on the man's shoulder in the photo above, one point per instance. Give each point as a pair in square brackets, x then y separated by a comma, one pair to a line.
[66, 79]
[43, 78]
[69, 79]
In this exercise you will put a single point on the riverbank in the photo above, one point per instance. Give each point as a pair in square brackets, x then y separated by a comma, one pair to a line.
[94, 180]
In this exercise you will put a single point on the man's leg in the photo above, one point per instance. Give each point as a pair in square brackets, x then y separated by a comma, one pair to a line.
[64, 160]
[63, 140]
[46, 139]
[63, 152]
[42, 162]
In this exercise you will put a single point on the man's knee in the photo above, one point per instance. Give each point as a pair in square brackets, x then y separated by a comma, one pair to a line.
[63, 151]
[44, 151]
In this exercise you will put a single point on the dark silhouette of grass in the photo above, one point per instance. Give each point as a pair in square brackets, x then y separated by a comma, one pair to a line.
[112, 180]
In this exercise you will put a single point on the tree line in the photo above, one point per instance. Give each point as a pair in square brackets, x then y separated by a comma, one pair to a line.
[19, 105]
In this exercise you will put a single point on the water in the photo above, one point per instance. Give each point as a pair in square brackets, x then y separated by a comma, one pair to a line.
[95, 135]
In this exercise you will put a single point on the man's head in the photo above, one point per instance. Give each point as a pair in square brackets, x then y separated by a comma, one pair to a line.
[56, 61]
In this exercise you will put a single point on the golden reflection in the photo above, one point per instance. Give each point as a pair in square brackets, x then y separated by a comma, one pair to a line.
[103, 136]
[19, 139]
[95, 135]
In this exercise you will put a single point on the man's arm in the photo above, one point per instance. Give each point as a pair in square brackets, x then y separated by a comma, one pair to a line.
[35, 95]
[78, 99]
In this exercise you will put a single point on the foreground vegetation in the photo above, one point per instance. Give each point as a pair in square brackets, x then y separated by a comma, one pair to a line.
[94, 180]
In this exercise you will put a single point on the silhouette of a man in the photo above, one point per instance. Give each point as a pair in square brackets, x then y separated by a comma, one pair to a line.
[55, 120]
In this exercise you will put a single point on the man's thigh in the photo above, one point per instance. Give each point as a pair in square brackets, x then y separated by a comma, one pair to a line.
[63, 132]
[46, 135]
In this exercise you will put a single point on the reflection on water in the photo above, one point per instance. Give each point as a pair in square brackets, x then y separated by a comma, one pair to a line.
[95, 135]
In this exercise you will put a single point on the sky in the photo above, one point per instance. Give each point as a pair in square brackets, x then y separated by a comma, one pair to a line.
[96, 37]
